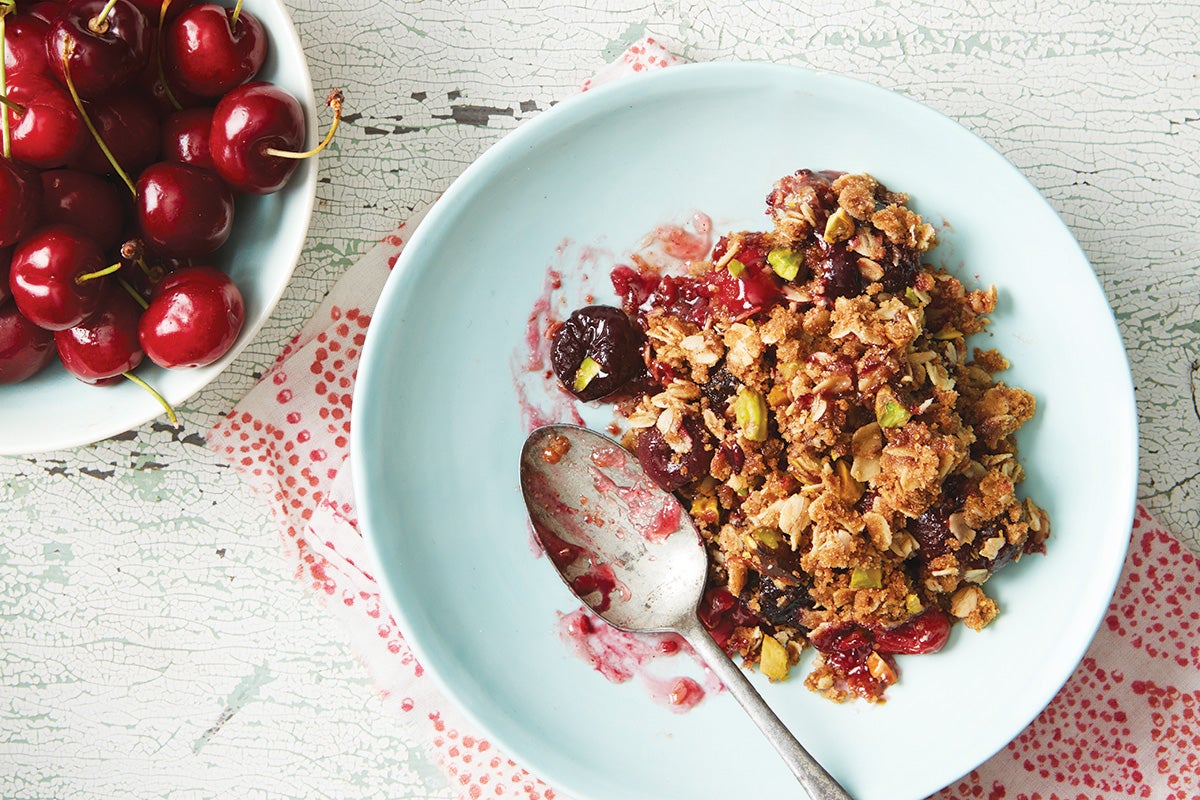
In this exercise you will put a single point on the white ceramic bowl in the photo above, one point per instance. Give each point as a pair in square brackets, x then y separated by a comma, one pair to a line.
[437, 430]
[53, 410]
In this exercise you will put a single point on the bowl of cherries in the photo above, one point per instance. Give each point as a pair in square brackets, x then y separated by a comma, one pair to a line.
[156, 184]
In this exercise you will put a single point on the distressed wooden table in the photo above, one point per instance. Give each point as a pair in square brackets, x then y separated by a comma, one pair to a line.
[152, 640]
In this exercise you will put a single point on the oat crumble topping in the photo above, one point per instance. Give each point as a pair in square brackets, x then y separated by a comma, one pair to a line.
[851, 465]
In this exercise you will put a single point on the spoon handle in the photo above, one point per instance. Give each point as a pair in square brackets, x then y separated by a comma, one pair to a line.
[818, 783]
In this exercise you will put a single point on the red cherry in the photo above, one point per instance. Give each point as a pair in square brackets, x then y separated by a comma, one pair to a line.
[194, 318]
[5, 263]
[104, 347]
[154, 84]
[185, 137]
[87, 202]
[248, 121]
[183, 210]
[25, 45]
[128, 124]
[45, 277]
[106, 52]
[20, 201]
[47, 130]
[24, 347]
[47, 11]
[153, 9]
[208, 53]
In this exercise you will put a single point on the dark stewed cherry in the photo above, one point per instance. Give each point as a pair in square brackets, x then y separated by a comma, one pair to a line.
[848, 646]
[835, 267]
[20, 201]
[24, 347]
[669, 469]
[104, 347]
[128, 125]
[257, 130]
[183, 210]
[210, 50]
[55, 277]
[194, 317]
[185, 137]
[104, 43]
[596, 352]
[88, 202]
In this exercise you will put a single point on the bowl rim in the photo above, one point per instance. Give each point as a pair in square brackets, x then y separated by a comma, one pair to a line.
[578, 106]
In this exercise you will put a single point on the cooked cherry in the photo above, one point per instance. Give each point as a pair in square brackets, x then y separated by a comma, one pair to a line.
[209, 53]
[100, 349]
[128, 124]
[926, 633]
[93, 204]
[679, 296]
[669, 469]
[596, 351]
[836, 267]
[183, 210]
[20, 201]
[805, 187]
[781, 603]
[248, 122]
[103, 52]
[720, 386]
[185, 136]
[193, 319]
[24, 347]
[47, 130]
[48, 281]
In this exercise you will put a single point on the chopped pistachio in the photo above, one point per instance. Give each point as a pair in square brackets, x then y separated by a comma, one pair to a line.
[704, 509]
[769, 537]
[735, 267]
[750, 413]
[588, 370]
[866, 578]
[773, 660]
[839, 227]
[893, 415]
[913, 604]
[786, 263]
[910, 294]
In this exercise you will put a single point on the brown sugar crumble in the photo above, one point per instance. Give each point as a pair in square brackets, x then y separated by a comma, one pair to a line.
[809, 394]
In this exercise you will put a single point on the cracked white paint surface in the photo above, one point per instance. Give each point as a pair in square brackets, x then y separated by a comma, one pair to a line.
[152, 642]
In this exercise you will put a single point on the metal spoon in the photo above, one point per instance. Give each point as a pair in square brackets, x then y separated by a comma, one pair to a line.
[628, 550]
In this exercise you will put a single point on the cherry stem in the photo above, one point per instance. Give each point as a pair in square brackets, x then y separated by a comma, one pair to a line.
[99, 23]
[12, 105]
[233, 19]
[68, 51]
[100, 273]
[161, 400]
[162, 73]
[5, 130]
[134, 293]
[334, 101]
